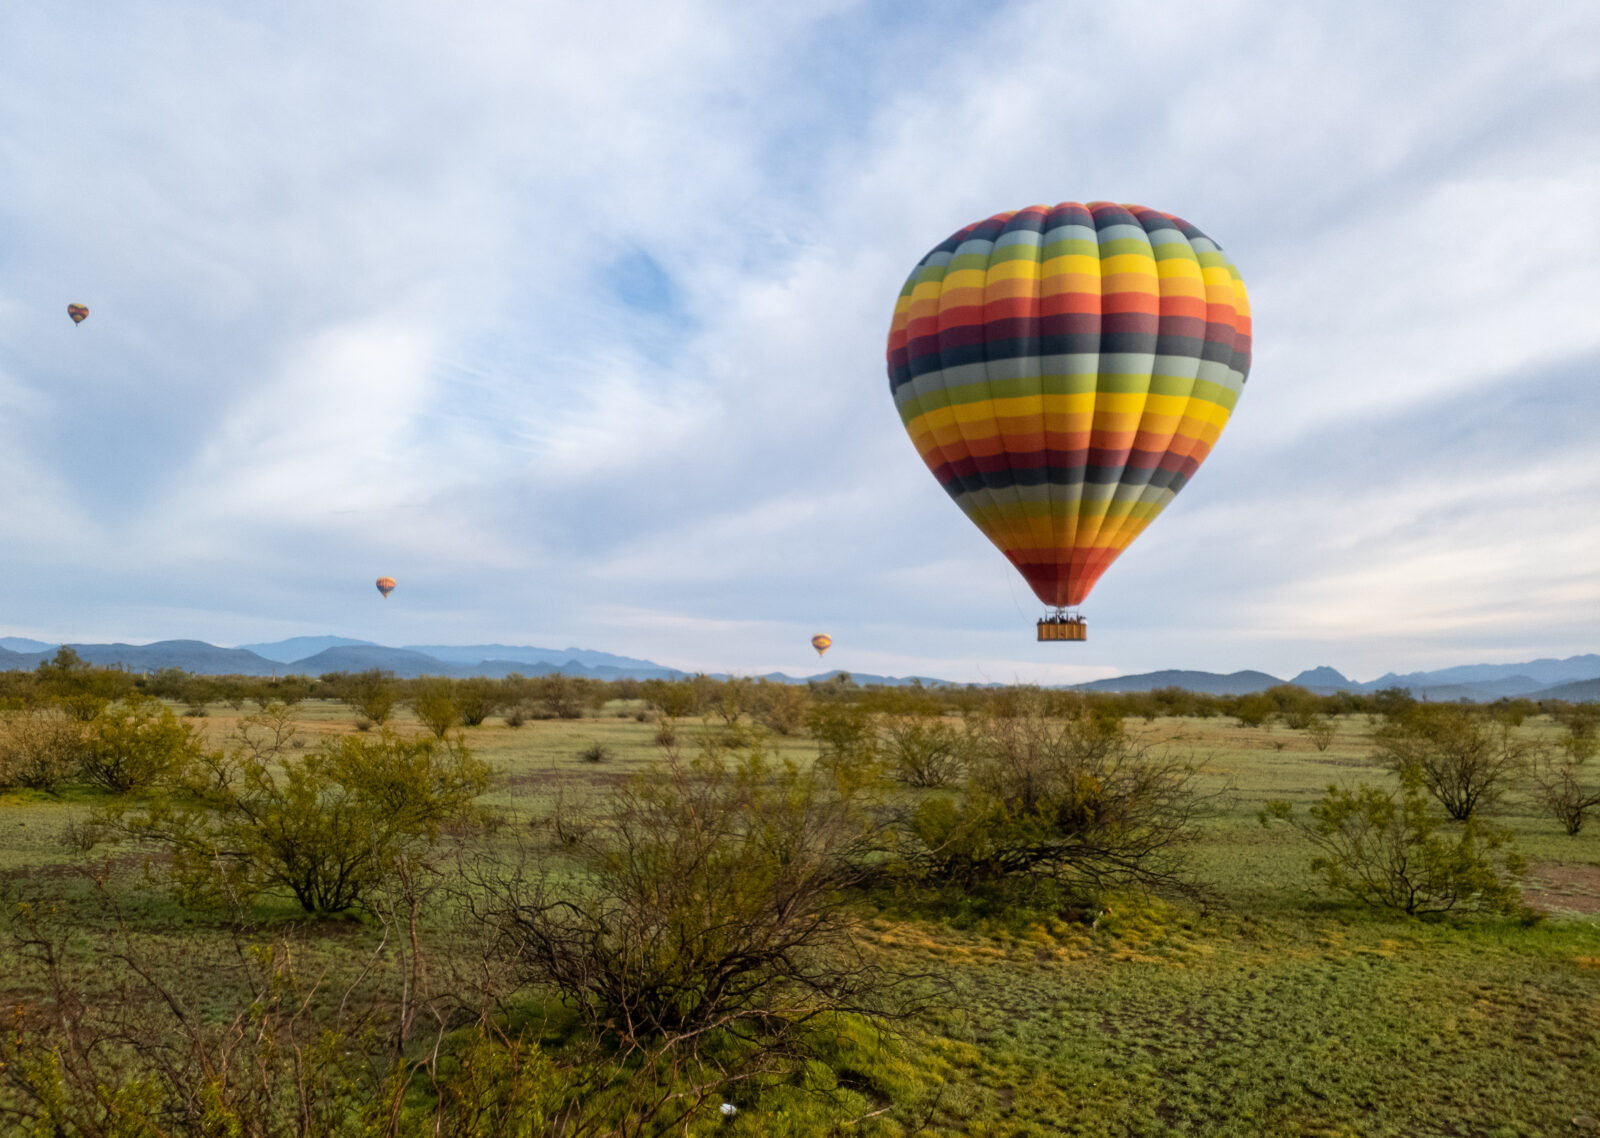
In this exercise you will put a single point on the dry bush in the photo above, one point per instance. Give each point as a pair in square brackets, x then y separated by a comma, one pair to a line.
[40, 748]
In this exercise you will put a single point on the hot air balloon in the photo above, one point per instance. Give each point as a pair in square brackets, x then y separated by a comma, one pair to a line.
[1063, 371]
[821, 642]
[78, 312]
[386, 586]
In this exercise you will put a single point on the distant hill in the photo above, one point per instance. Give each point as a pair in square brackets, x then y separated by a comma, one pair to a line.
[1583, 691]
[24, 645]
[361, 658]
[299, 647]
[1541, 673]
[469, 654]
[190, 655]
[1207, 683]
[1324, 680]
[19, 661]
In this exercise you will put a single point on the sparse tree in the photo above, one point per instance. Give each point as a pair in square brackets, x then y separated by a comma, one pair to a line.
[1461, 757]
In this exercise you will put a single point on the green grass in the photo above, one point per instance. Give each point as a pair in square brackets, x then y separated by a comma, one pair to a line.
[1276, 1011]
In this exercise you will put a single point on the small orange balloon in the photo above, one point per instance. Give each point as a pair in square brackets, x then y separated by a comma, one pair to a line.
[821, 642]
[385, 585]
[78, 312]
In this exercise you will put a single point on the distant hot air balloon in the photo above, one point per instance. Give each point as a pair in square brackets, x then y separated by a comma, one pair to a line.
[386, 585]
[821, 642]
[1063, 371]
[78, 312]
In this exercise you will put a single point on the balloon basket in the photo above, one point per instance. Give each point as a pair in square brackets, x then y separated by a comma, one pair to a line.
[1063, 628]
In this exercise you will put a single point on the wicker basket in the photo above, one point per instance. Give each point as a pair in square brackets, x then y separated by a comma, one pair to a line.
[1063, 628]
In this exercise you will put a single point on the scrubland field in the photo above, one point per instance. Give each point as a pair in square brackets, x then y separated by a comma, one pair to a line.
[1261, 1003]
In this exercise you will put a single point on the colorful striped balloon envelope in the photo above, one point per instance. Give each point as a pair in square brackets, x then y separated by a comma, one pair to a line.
[1063, 371]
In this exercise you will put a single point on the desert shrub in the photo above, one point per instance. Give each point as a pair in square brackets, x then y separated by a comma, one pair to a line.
[845, 733]
[560, 697]
[1582, 724]
[371, 694]
[672, 698]
[137, 744]
[921, 749]
[782, 707]
[516, 715]
[1253, 710]
[1321, 732]
[1460, 756]
[1294, 704]
[477, 698]
[327, 827]
[708, 899]
[257, 1049]
[595, 753]
[78, 687]
[1071, 799]
[40, 748]
[1566, 783]
[1392, 851]
[666, 732]
[433, 701]
[287, 690]
[168, 683]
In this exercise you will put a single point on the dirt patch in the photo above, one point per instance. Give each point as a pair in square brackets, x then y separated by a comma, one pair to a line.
[1568, 886]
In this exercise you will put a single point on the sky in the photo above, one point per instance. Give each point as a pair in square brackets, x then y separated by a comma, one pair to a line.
[570, 316]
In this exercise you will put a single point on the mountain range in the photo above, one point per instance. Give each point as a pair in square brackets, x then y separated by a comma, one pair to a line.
[1575, 678]
[318, 655]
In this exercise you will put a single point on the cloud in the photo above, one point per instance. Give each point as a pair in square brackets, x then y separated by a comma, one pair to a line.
[570, 311]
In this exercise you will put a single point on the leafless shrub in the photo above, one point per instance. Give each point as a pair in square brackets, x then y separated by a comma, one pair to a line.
[1566, 784]
[1321, 732]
